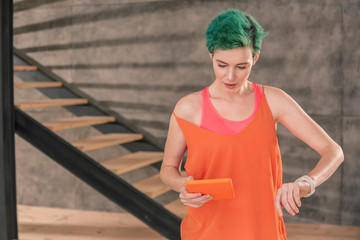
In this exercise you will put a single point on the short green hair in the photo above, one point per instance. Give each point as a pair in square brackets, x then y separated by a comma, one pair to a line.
[234, 28]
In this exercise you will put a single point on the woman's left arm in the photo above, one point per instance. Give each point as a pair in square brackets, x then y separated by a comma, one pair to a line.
[293, 117]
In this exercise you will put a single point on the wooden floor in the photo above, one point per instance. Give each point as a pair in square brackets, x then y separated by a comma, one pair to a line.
[301, 231]
[41, 223]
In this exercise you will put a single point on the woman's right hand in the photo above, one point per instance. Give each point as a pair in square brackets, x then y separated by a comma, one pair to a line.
[194, 200]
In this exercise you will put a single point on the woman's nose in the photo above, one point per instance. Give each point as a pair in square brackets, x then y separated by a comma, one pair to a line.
[230, 74]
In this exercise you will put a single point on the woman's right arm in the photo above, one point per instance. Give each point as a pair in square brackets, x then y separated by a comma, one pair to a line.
[175, 148]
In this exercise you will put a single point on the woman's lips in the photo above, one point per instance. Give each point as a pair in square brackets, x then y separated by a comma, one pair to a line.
[230, 85]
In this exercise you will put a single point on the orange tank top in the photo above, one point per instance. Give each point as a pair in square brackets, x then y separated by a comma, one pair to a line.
[251, 158]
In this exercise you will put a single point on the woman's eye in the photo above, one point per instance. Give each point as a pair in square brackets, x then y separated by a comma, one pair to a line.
[222, 66]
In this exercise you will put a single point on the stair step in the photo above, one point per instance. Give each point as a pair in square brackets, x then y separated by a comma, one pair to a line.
[132, 161]
[46, 223]
[106, 140]
[25, 68]
[152, 186]
[36, 84]
[74, 122]
[177, 207]
[50, 103]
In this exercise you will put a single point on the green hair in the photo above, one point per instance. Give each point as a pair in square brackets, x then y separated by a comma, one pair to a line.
[234, 28]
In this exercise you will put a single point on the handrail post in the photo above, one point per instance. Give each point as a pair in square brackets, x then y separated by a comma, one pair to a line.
[8, 210]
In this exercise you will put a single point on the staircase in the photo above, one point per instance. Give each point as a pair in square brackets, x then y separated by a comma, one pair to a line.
[53, 223]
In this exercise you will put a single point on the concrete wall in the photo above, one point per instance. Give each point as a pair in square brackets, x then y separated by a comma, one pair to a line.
[140, 57]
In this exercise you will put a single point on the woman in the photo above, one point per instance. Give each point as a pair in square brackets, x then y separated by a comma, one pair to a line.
[229, 130]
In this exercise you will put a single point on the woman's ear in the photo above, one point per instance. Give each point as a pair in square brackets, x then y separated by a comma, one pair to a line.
[256, 57]
[211, 55]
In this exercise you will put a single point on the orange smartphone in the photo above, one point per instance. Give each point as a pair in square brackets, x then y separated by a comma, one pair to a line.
[221, 188]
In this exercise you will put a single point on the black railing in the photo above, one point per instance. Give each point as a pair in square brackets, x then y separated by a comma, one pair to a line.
[8, 212]
[98, 177]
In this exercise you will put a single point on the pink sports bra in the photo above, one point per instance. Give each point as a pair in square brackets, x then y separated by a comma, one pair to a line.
[213, 121]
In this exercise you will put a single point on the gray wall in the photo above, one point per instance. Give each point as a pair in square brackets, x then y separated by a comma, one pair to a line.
[140, 58]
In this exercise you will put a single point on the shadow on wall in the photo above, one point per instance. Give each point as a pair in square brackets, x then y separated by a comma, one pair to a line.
[29, 4]
[128, 10]
[115, 42]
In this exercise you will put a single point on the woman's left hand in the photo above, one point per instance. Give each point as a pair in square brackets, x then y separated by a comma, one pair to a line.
[288, 196]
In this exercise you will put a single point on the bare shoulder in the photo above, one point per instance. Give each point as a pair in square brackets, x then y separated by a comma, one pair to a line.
[273, 93]
[275, 97]
[189, 107]
[280, 103]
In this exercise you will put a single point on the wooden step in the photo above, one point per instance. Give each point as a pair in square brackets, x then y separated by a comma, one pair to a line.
[25, 68]
[132, 161]
[45, 223]
[50, 103]
[177, 207]
[77, 122]
[36, 84]
[106, 140]
[152, 186]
